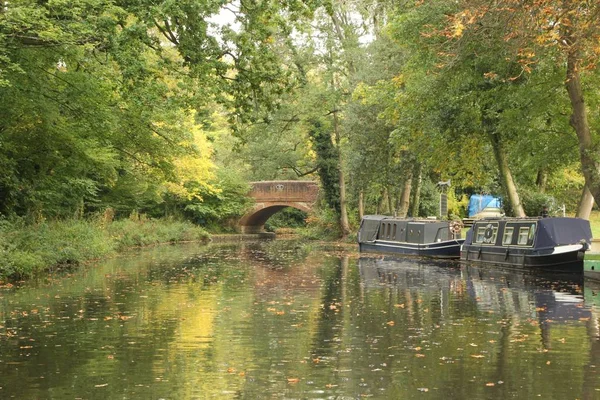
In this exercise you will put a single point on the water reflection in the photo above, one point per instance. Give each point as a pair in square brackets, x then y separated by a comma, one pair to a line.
[284, 319]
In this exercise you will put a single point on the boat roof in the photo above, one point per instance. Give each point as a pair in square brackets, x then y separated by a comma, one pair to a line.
[551, 231]
[380, 218]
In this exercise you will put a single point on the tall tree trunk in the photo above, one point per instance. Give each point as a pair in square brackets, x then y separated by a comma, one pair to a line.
[344, 225]
[579, 121]
[588, 153]
[586, 202]
[390, 203]
[405, 196]
[383, 202]
[416, 191]
[541, 180]
[361, 204]
[506, 176]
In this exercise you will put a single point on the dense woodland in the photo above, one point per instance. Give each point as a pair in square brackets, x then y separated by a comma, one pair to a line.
[114, 108]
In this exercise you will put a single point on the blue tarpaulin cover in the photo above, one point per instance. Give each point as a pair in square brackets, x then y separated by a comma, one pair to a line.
[478, 202]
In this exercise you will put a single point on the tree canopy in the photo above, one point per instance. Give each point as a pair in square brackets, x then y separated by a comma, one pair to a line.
[166, 108]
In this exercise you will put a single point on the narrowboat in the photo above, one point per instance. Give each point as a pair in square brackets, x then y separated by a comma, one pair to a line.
[552, 243]
[416, 237]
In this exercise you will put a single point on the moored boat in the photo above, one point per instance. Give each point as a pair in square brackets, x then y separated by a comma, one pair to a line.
[551, 243]
[416, 237]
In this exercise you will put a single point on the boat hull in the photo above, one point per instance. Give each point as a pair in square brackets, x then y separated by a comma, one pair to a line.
[447, 249]
[568, 258]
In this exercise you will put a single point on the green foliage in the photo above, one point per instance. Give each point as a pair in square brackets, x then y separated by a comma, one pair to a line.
[287, 218]
[327, 163]
[45, 245]
[228, 201]
[430, 199]
[97, 106]
[533, 201]
[323, 224]
[127, 233]
[27, 249]
[566, 187]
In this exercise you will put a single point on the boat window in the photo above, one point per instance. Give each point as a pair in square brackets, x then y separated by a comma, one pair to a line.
[487, 233]
[480, 234]
[523, 235]
[388, 230]
[394, 232]
[492, 239]
[508, 235]
[531, 234]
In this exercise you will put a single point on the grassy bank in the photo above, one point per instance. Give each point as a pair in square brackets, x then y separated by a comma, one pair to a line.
[595, 224]
[26, 250]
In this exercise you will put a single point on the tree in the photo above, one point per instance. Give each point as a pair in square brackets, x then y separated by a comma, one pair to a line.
[565, 32]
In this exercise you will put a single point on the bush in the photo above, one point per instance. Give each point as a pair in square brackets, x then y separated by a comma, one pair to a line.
[322, 224]
[287, 218]
[127, 233]
[429, 204]
[28, 249]
[533, 202]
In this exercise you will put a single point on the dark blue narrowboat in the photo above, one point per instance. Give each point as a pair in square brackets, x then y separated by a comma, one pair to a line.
[416, 237]
[549, 243]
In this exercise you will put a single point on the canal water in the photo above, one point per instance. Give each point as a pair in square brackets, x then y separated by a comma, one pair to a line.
[288, 320]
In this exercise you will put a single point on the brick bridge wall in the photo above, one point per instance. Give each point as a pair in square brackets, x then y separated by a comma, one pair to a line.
[274, 196]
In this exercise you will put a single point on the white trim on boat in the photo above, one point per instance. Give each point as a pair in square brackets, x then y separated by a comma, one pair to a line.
[416, 245]
[567, 248]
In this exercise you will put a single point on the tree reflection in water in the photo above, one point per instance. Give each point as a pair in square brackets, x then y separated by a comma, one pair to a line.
[286, 319]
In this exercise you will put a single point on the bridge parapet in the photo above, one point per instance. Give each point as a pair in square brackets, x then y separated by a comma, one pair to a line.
[274, 196]
[285, 191]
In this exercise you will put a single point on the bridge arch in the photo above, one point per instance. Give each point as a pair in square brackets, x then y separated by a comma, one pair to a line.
[273, 196]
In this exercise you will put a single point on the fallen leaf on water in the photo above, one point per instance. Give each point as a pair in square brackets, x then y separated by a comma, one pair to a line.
[490, 384]
[102, 385]
[390, 323]
[231, 370]
[399, 305]
[423, 389]
[293, 380]
[477, 356]
[548, 362]
[419, 355]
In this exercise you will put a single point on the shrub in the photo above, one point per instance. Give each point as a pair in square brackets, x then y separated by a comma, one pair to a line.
[287, 218]
[322, 224]
[28, 249]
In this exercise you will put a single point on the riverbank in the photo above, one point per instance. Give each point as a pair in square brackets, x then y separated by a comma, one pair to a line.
[26, 250]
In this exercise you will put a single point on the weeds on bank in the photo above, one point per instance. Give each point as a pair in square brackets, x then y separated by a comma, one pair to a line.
[26, 249]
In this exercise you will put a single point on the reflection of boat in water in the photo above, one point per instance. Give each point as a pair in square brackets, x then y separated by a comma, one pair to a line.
[549, 243]
[426, 238]
[548, 296]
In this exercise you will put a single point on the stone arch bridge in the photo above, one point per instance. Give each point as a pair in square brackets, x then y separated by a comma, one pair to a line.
[274, 196]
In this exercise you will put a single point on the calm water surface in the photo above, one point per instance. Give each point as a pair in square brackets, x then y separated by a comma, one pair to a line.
[286, 320]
